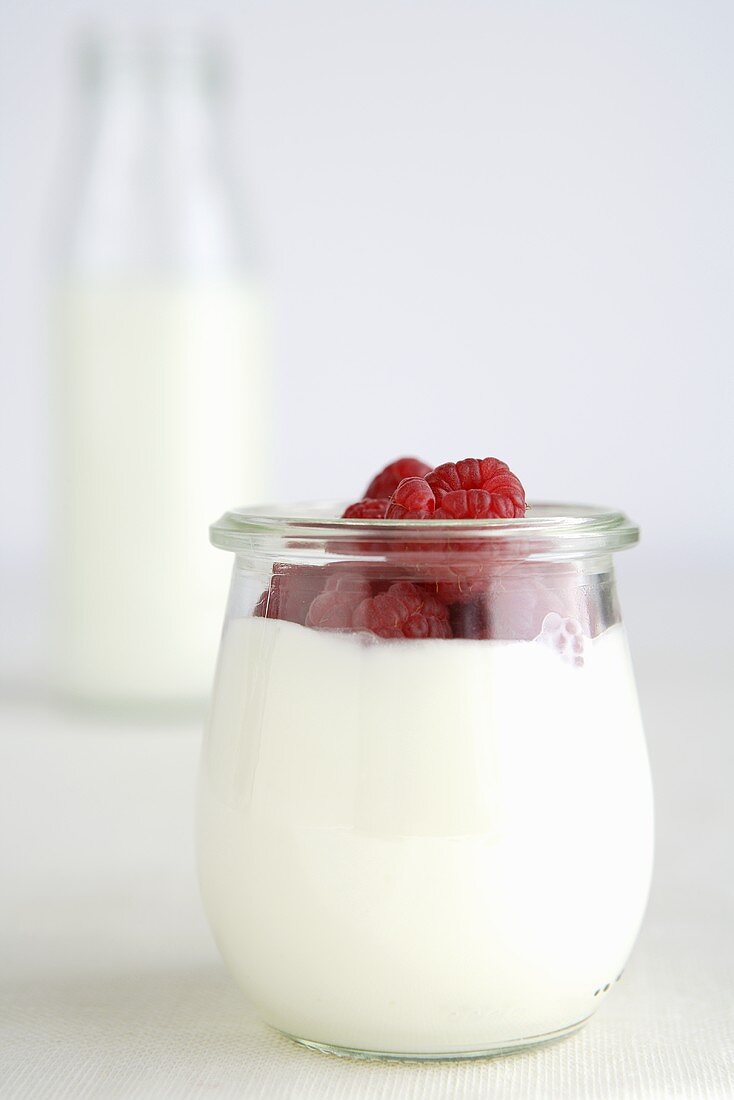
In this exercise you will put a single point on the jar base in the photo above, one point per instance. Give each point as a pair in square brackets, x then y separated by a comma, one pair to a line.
[492, 1050]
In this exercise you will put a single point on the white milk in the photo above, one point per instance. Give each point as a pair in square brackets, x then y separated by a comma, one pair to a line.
[164, 424]
[423, 846]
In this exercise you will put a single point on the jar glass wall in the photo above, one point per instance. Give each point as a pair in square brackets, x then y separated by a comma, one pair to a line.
[425, 817]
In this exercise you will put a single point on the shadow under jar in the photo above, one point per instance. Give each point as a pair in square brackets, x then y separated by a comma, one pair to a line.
[436, 845]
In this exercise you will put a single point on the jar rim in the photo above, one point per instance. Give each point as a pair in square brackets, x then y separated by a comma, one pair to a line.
[547, 528]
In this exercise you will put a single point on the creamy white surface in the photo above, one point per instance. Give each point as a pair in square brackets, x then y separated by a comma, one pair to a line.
[423, 846]
[164, 423]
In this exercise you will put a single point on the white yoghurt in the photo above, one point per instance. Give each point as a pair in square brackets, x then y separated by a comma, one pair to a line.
[423, 846]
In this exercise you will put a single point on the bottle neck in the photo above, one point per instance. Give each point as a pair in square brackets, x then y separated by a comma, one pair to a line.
[156, 193]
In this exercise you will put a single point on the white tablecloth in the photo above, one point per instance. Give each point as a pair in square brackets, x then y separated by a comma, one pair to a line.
[111, 986]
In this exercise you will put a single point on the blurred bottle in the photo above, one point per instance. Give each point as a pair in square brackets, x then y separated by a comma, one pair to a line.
[163, 397]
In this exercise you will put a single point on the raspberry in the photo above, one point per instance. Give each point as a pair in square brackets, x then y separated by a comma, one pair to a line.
[369, 508]
[386, 482]
[290, 593]
[404, 611]
[513, 607]
[412, 499]
[471, 489]
[565, 636]
[467, 504]
[476, 489]
[519, 600]
[517, 606]
[461, 582]
[334, 608]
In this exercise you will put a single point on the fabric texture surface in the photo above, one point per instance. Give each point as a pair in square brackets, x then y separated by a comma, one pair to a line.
[112, 987]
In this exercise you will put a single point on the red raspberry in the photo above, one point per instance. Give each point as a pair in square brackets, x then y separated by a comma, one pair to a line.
[517, 607]
[387, 481]
[511, 607]
[290, 593]
[476, 489]
[519, 602]
[369, 508]
[412, 499]
[471, 489]
[565, 636]
[404, 611]
[462, 582]
[467, 504]
[334, 608]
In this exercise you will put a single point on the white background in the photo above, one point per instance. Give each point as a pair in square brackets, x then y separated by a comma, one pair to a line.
[491, 228]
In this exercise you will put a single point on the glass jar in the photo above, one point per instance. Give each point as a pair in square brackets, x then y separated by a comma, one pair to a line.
[436, 845]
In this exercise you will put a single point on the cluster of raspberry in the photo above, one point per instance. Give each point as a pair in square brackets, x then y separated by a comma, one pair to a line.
[448, 589]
